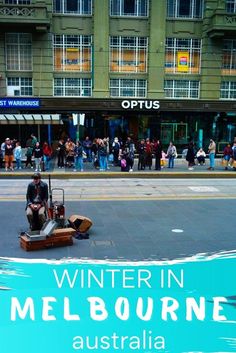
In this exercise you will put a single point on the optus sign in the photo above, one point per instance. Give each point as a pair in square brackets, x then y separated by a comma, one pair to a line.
[140, 104]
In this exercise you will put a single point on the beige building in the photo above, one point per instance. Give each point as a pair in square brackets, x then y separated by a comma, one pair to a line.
[150, 68]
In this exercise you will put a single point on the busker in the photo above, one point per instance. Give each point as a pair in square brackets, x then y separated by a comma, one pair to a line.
[37, 198]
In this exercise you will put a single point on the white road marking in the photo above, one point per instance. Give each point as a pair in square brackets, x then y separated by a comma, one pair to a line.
[177, 230]
[203, 188]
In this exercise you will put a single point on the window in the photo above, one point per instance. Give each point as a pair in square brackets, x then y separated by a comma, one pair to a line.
[184, 8]
[72, 53]
[128, 88]
[128, 54]
[229, 57]
[181, 89]
[228, 90]
[231, 6]
[183, 55]
[18, 51]
[79, 87]
[77, 7]
[129, 8]
[19, 86]
[17, 2]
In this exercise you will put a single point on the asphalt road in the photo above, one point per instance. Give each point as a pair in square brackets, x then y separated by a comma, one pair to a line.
[133, 219]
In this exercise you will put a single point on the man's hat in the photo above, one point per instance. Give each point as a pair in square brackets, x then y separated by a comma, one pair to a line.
[36, 176]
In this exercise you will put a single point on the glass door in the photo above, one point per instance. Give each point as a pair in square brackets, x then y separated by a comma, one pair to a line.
[176, 132]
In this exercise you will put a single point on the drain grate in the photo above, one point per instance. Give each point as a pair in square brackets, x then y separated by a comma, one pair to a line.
[102, 243]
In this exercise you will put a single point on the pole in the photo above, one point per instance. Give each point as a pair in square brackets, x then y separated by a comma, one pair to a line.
[78, 125]
[49, 135]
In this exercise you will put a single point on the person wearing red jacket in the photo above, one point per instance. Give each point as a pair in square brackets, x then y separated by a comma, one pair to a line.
[227, 154]
[47, 155]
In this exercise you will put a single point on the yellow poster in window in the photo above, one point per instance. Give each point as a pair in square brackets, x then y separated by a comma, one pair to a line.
[183, 61]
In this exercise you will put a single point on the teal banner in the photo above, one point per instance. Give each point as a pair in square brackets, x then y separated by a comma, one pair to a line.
[184, 306]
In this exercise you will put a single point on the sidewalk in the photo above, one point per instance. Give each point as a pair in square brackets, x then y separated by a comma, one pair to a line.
[180, 170]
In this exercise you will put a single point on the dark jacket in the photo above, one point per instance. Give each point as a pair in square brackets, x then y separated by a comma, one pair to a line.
[37, 193]
[190, 154]
[78, 150]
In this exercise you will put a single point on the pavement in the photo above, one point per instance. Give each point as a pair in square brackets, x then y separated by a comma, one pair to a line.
[180, 170]
[133, 219]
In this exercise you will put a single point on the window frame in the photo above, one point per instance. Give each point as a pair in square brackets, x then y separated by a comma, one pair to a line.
[228, 90]
[175, 89]
[65, 86]
[18, 52]
[176, 6]
[121, 87]
[81, 12]
[120, 49]
[230, 4]
[229, 68]
[79, 44]
[138, 9]
[16, 2]
[21, 85]
[194, 45]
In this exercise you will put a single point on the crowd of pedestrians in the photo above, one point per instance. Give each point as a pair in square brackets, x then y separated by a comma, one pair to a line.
[102, 153]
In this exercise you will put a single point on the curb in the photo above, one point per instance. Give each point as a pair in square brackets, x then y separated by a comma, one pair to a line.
[124, 175]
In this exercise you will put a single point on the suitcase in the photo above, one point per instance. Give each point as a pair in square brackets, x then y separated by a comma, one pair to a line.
[80, 223]
[59, 237]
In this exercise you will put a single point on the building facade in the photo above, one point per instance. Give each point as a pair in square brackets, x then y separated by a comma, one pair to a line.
[147, 68]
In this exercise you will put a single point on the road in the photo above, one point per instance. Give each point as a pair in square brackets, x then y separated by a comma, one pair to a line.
[134, 219]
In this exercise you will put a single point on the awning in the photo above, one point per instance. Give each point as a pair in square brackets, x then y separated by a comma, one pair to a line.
[30, 119]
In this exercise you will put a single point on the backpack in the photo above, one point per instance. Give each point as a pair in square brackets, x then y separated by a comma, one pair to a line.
[123, 163]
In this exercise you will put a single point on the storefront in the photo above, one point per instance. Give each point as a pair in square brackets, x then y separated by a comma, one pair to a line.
[179, 121]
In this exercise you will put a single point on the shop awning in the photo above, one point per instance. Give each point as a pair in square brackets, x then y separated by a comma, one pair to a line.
[30, 119]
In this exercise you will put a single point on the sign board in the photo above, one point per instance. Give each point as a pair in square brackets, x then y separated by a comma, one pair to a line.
[140, 104]
[183, 61]
[19, 103]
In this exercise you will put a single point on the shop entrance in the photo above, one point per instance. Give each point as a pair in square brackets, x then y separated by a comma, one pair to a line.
[176, 132]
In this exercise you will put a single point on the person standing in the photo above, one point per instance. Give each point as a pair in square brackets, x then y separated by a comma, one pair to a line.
[190, 156]
[33, 140]
[227, 154]
[28, 154]
[18, 155]
[148, 154]
[116, 150]
[130, 149]
[212, 151]
[2, 153]
[38, 154]
[158, 154]
[61, 154]
[141, 155]
[102, 152]
[234, 155]
[9, 157]
[47, 155]
[78, 157]
[87, 145]
[171, 154]
[69, 147]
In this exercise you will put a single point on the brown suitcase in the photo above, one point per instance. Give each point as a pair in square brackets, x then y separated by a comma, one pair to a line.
[59, 237]
[80, 223]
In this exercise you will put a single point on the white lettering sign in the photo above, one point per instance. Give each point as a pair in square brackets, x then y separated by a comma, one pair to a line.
[141, 104]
